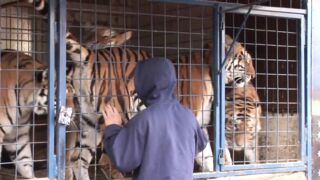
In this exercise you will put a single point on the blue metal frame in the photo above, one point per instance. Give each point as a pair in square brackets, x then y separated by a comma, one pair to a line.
[51, 164]
[308, 60]
[303, 105]
[304, 87]
[61, 87]
[218, 53]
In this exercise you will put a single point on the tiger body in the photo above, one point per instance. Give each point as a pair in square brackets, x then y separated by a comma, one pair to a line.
[22, 85]
[99, 77]
[195, 91]
[242, 121]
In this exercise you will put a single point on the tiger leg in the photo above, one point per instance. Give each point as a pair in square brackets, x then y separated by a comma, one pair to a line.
[203, 116]
[205, 158]
[227, 155]
[20, 151]
[251, 155]
[84, 152]
[108, 168]
[72, 138]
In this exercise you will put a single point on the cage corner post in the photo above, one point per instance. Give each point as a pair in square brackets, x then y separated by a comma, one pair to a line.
[61, 87]
[218, 109]
[51, 163]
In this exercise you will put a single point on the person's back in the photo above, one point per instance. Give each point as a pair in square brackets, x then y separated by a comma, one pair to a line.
[161, 141]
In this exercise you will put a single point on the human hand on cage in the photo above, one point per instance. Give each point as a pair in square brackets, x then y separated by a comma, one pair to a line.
[111, 116]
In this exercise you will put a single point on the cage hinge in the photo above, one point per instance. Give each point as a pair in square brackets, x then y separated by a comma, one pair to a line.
[221, 157]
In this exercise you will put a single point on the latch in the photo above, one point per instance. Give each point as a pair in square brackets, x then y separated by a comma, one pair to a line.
[65, 115]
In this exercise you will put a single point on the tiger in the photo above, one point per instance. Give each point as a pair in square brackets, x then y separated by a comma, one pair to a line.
[242, 122]
[195, 91]
[23, 81]
[239, 71]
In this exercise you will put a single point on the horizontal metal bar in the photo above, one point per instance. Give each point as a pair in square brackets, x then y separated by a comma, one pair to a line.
[263, 166]
[245, 5]
[247, 172]
[273, 12]
[256, 10]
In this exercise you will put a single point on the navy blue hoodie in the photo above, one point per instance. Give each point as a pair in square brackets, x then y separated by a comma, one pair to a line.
[161, 141]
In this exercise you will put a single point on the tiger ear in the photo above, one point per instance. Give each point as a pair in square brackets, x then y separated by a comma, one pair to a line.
[227, 42]
[109, 39]
[122, 38]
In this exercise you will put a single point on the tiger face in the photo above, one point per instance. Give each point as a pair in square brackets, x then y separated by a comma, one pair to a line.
[239, 67]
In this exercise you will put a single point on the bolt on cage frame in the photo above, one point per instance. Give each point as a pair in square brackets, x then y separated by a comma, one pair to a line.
[57, 29]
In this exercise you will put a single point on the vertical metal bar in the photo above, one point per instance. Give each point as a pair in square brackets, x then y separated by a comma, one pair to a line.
[218, 107]
[301, 87]
[61, 88]
[51, 164]
[308, 91]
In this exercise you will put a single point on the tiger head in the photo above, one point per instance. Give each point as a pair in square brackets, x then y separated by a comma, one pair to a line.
[29, 79]
[106, 37]
[239, 67]
[41, 98]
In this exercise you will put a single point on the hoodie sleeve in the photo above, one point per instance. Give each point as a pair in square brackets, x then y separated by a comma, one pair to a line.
[125, 146]
[201, 139]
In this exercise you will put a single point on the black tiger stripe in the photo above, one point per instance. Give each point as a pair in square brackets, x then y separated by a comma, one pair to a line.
[22, 148]
[87, 147]
[88, 122]
[26, 82]
[87, 58]
[8, 115]
[77, 51]
[93, 82]
[24, 64]
[22, 158]
[102, 89]
[22, 135]
[17, 138]
[2, 130]
[109, 91]
[84, 160]
[17, 95]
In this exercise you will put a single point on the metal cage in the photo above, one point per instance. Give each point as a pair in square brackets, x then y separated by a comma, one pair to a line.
[271, 34]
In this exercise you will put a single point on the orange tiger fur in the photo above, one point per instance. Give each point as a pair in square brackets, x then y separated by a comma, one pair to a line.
[22, 79]
[242, 121]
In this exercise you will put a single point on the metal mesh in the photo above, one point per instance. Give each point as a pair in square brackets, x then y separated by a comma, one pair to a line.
[177, 31]
[21, 32]
[273, 44]
[180, 33]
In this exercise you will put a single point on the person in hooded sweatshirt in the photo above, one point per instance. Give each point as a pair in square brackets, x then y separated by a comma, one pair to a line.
[161, 141]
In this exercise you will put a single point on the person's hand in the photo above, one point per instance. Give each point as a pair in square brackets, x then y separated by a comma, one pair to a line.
[111, 116]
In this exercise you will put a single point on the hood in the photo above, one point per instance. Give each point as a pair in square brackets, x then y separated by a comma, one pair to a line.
[155, 80]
